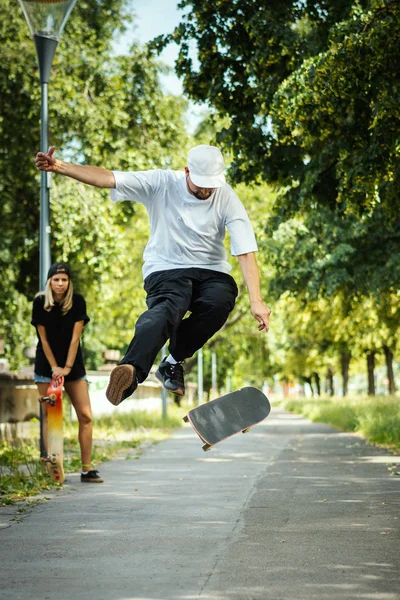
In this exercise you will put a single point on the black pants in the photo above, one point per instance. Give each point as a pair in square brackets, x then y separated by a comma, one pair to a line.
[208, 295]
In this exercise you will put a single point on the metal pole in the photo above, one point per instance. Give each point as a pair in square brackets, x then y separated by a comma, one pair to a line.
[44, 243]
[200, 376]
[164, 391]
[45, 49]
[214, 374]
[46, 29]
[44, 227]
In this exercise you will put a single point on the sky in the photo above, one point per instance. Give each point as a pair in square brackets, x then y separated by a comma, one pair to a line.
[153, 18]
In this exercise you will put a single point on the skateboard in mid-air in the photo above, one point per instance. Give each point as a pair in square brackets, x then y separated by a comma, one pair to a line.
[54, 454]
[221, 418]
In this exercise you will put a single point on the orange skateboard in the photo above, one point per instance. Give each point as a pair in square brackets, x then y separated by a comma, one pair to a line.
[221, 418]
[54, 456]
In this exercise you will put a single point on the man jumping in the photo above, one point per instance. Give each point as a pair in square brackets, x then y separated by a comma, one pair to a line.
[185, 267]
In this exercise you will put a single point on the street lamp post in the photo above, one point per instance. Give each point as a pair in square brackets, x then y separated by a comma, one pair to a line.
[200, 376]
[46, 20]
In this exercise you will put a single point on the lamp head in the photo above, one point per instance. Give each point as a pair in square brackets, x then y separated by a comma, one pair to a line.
[47, 18]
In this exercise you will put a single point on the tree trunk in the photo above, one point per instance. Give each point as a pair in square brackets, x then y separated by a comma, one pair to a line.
[285, 387]
[345, 365]
[389, 368]
[371, 373]
[308, 380]
[317, 383]
[329, 381]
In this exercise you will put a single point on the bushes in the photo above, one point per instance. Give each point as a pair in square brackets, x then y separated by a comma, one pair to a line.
[377, 419]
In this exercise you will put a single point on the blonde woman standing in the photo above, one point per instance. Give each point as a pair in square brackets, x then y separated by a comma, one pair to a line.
[59, 316]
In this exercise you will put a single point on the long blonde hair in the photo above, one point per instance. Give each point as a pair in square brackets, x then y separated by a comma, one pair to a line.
[66, 302]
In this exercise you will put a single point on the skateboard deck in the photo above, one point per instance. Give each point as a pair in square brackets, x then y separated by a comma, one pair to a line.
[54, 457]
[221, 418]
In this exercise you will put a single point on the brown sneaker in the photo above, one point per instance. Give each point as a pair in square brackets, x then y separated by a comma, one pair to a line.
[122, 384]
[91, 477]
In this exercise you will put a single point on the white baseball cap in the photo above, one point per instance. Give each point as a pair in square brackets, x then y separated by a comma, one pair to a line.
[206, 166]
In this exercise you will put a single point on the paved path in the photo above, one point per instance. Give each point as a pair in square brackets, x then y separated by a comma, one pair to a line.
[292, 510]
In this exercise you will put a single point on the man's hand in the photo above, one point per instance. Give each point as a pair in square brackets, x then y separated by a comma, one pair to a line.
[261, 313]
[45, 161]
[248, 265]
[97, 176]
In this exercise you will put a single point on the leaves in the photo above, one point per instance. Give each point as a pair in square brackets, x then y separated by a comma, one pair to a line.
[103, 110]
[308, 94]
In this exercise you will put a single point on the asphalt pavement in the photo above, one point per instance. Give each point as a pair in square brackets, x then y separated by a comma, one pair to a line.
[291, 510]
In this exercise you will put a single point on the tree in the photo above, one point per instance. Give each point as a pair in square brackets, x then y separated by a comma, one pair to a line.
[310, 89]
[321, 256]
[307, 94]
[104, 110]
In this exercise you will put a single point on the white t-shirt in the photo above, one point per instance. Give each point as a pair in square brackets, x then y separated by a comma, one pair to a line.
[184, 231]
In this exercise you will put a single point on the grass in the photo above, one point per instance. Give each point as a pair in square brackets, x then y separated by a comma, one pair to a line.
[22, 474]
[376, 418]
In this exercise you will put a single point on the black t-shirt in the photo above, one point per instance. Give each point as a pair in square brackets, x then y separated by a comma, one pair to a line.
[59, 330]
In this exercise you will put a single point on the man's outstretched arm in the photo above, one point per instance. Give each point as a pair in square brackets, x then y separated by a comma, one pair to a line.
[248, 265]
[97, 176]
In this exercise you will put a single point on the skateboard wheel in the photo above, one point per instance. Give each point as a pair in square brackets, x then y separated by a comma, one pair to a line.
[186, 419]
[49, 399]
[246, 430]
[53, 459]
[207, 447]
[52, 399]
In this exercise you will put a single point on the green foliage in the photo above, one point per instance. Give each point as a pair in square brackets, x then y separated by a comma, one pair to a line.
[324, 253]
[377, 419]
[303, 96]
[21, 473]
[310, 89]
[104, 110]
[339, 109]
[15, 328]
[339, 272]
[341, 415]
[140, 421]
[381, 423]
